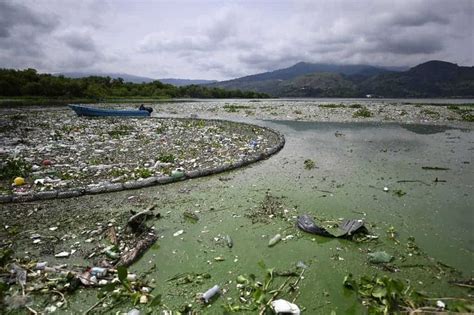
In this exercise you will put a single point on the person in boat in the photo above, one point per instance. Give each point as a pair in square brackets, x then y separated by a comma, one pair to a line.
[148, 109]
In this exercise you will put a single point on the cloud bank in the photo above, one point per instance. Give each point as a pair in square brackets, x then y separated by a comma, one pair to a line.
[222, 40]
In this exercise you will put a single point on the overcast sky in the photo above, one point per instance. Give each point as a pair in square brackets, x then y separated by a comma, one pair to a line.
[205, 39]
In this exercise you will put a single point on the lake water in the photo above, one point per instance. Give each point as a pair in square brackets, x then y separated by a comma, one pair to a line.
[354, 162]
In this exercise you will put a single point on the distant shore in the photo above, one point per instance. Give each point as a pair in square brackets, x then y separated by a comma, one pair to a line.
[328, 110]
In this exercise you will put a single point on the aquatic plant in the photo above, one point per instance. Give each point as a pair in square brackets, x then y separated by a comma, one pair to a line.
[309, 164]
[362, 113]
[143, 173]
[257, 294]
[386, 295]
[120, 130]
[14, 167]
[232, 108]
[431, 113]
[467, 116]
[332, 106]
[166, 158]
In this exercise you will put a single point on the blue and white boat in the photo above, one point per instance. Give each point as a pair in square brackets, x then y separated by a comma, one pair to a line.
[103, 112]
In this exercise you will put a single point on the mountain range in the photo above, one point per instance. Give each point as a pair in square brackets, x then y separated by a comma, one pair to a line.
[431, 79]
[135, 79]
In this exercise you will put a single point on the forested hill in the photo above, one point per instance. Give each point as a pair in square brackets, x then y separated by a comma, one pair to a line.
[30, 83]
[430, 79]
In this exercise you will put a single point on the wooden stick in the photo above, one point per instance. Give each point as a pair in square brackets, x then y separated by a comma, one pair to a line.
[95, 305]
[32, 310]
[464, 285]
[60, 294]
[278, 291]
[299, 278]
[447, 298]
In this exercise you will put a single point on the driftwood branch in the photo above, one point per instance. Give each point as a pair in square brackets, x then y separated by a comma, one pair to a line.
[142, 244]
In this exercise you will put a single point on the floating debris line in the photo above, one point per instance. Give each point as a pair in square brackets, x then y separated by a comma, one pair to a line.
[45, 155]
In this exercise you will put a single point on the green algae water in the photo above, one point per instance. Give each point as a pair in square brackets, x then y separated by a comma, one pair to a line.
[414, 179]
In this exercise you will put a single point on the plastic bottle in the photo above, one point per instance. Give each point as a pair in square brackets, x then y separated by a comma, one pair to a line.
[274, 240]
[210, 293]
[99, 272]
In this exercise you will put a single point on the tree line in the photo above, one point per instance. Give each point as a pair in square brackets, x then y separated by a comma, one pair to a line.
[29, 82]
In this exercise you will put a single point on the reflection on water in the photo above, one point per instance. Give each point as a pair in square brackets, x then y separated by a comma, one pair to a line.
[365, 157]
[425, 129]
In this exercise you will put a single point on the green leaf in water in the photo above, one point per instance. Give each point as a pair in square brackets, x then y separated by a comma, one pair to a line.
[349, 282]
[122, 273]
[261, 264]
[156, 301]
[379, 292]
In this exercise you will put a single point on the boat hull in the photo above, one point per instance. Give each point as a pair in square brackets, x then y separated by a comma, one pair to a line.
[103, 112]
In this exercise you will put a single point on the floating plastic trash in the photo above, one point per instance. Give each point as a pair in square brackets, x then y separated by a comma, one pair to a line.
[41, 265]
[177, 174]
[284, 307]
[347, 228]
[229, 241]
[209, 294]
[62, 255]
[352, 226]
[133, 312]
[274, 240]
[99, 272]
[306, 223]
[18, 181]
[380, 257]
[177, 233]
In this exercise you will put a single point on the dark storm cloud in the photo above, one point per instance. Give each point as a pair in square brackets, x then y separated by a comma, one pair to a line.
[409, 46]
[417, 19]
[31, 36]
[13, 16]
[21, 31]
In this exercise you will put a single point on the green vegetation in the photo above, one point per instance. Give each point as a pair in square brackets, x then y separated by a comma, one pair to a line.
[119, 131]
[117, 172]
[232, 108]
[385, 295]
[143, 173]
[28, 83]
[167, 158]
[399, 193]
[13, 168]
[466, 113]
[430, 79]
[309, 164]
[256, 294]
[332, 106]
[430, 113]
[362, 113]
[467, 117]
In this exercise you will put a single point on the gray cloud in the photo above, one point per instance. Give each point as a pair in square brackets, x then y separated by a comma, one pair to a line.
[15, 16]
[21, 35]
[418, 19]
[409, 46]
[78, 40]
[202, 40]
